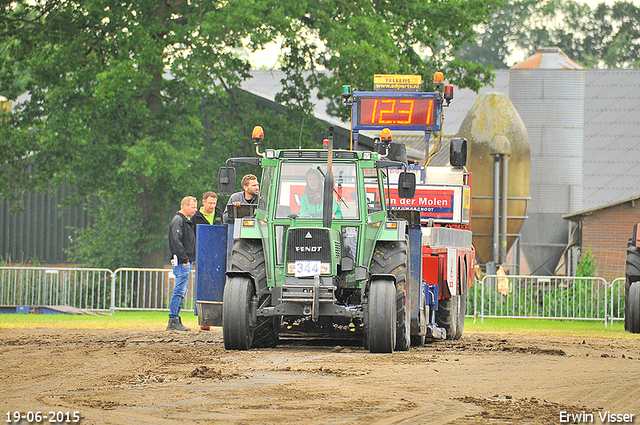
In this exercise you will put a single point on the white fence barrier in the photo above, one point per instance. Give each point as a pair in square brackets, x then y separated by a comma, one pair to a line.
[548, 297]
[495, 296]
[91, 289]
[617, 299]
[44, 286]
[148, 289]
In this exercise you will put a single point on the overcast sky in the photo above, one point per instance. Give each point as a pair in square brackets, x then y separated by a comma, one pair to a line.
[594, 3]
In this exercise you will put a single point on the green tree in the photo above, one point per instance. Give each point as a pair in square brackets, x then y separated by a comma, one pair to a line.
[604, 37]
[137, 103]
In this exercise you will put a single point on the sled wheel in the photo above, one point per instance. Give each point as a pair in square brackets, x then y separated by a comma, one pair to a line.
[451, 311]
[424, 315]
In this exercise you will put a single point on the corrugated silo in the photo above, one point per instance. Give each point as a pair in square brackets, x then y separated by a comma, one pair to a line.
[547, 89]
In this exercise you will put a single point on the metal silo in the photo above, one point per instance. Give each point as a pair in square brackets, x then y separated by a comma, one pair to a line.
[494, 131]
[547, 89]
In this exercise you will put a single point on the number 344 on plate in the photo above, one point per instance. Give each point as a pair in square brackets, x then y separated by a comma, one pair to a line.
[306, 268]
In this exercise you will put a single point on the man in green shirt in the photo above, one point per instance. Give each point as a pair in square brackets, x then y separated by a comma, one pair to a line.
[208, 213]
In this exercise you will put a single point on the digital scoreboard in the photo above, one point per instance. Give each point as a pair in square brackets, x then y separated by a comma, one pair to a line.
[385, 111]
[401, 111]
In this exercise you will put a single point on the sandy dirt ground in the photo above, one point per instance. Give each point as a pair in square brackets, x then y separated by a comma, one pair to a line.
[158, 377]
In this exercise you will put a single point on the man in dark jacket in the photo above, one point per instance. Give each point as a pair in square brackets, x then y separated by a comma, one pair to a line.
[182, 244]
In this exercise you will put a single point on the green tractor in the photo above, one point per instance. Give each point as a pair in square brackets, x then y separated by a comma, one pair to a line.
[343, 244]
[320, 255]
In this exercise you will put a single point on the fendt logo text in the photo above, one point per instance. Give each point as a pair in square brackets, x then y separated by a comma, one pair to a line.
[308, 248]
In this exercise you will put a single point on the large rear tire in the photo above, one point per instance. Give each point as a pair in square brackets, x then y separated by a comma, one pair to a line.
[248, 256]
[632, 313]
[632, 273]
[381, 320]
[237, 328]
[392, 258]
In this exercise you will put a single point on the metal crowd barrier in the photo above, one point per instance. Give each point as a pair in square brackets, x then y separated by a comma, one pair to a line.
[91, 289]
[617, 299]
[50, 286]
[148, 289]
[495, 296]
[547, 297]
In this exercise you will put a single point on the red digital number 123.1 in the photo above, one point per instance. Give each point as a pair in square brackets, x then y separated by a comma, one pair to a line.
[396, 112]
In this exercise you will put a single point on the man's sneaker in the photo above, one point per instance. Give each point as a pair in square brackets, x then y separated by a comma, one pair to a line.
[175, 324]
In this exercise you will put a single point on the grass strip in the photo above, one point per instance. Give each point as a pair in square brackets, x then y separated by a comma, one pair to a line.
[157, 320]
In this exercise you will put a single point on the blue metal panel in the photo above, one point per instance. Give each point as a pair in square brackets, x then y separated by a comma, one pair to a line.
[414, 280]
[229, 240]
[211, 262]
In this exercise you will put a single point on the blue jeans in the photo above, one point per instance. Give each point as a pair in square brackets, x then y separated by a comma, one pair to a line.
[182, 273]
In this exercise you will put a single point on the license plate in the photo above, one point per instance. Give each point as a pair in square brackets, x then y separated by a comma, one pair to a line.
[305, 268]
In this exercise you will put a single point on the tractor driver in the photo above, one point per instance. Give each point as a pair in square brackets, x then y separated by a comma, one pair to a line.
[311, 200]
[248, 195]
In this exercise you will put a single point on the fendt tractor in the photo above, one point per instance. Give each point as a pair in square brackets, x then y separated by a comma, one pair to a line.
[383, 254]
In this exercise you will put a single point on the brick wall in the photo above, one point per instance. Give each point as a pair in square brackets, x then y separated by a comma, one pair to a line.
[607, 232]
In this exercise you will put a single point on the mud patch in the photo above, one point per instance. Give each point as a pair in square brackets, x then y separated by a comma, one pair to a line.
[205, 372]
[498, 409]
[322, 370]
[535, 350]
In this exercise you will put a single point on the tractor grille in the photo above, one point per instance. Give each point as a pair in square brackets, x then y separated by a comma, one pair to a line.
[308, 244]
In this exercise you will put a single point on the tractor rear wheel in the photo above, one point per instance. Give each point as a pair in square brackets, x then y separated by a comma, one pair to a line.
[381, 320]
[248, 256]
[392, 258]
[237, 329]
[632, 312]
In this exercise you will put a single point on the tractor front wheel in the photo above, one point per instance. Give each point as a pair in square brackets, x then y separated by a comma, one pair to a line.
[237, 328]
[392, 258]
[381, 320]
[248, 256]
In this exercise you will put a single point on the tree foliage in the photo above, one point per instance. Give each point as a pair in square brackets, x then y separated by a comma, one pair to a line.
[604, 37]
[137, 103]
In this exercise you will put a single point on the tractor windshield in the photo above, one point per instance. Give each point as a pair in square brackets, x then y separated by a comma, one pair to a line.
[301, 186]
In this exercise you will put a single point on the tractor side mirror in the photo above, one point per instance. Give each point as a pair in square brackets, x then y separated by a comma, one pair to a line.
[227, 180]
[406, 185]
[458, 152]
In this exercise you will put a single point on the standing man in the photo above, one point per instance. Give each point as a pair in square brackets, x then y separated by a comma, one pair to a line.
[182, 243]
[248, 195]
[208, 213]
